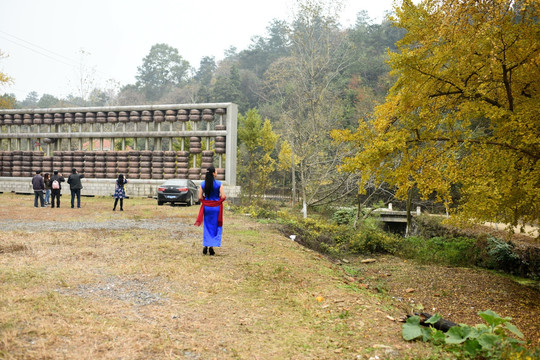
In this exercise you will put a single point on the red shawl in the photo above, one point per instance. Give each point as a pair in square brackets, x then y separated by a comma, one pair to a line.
[211, 203]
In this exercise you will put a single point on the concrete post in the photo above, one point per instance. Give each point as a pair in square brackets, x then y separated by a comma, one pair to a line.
[231, 120]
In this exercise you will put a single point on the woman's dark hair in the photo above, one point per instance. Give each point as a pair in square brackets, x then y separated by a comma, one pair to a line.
[209, 182]
[120, 180]
[46, 176]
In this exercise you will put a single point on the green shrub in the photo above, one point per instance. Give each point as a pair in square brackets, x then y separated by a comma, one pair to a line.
[459, 251]
[437, 245]
[372, 240]
[502, 255]
[259, 210]
[334, 239]
[430, 226]
[486, 252]
[344, 216]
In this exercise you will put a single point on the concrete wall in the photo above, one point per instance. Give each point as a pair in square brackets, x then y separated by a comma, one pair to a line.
[100, 187]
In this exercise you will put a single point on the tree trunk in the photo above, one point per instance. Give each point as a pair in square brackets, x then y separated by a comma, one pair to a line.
[303, 187]
[409, 217]
[293, 178]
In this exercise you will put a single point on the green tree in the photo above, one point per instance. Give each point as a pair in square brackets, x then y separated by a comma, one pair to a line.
[263, 51]
[75, 100]
[228, 88]
[249, 135]
[204, 76]
[31, 100]
[258, 143]
[367, 80]
[98, 97]
[48, 101]
[162, 69]
[131, 94]
[267, 164]
[464, 111]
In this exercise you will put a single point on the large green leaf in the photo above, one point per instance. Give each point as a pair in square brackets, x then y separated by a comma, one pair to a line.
[411, 329]
[457, 334]
[492, 318]
[426, 334]
[513, 328]
[438, 337]
[472, 347]
[433, 319]
[488, 341]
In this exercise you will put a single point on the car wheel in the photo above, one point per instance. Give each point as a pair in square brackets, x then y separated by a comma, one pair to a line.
[160, 203]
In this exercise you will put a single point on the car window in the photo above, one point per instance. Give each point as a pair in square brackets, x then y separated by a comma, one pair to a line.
[176, 182]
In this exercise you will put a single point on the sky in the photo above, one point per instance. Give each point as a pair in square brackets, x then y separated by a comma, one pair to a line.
[49, 46]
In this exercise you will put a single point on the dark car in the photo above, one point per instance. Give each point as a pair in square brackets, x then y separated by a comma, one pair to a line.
[178, 191]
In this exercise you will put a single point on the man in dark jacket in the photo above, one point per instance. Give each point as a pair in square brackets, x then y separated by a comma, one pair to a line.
[55, 193]
[38, 184]
[74, 181]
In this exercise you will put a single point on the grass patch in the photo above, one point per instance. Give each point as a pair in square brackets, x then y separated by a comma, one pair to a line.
[12, 248]
[439, 250]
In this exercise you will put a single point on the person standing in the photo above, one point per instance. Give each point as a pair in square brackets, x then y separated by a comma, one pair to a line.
[56, 188]
[47, 180]
[212, 196]
[39, 186]
[120, 192]
[75, 185]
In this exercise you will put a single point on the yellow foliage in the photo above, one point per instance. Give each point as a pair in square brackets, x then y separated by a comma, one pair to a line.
[465, 109]
[285, 156]
[5, 102]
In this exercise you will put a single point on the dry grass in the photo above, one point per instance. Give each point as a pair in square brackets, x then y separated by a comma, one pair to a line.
[150, 294]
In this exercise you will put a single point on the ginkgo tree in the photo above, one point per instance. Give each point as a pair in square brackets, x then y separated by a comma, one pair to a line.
[464, 112]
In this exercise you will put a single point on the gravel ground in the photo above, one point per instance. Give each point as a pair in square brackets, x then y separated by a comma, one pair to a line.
[145, 224]
[136, 291]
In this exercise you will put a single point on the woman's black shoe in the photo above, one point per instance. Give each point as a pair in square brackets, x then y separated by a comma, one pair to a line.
[212, 251]
[205, 250]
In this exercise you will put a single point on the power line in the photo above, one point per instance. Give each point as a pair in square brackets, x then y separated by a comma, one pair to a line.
[40, 47]
[71, 62]
[38, 52]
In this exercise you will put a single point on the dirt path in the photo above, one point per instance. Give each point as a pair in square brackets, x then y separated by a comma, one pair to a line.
[92, 283]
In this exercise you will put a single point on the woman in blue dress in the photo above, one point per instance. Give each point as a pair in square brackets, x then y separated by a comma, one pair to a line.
[120, 192]
[211, 195]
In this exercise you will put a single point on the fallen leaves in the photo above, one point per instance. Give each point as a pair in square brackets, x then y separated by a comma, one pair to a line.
[458, 293]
